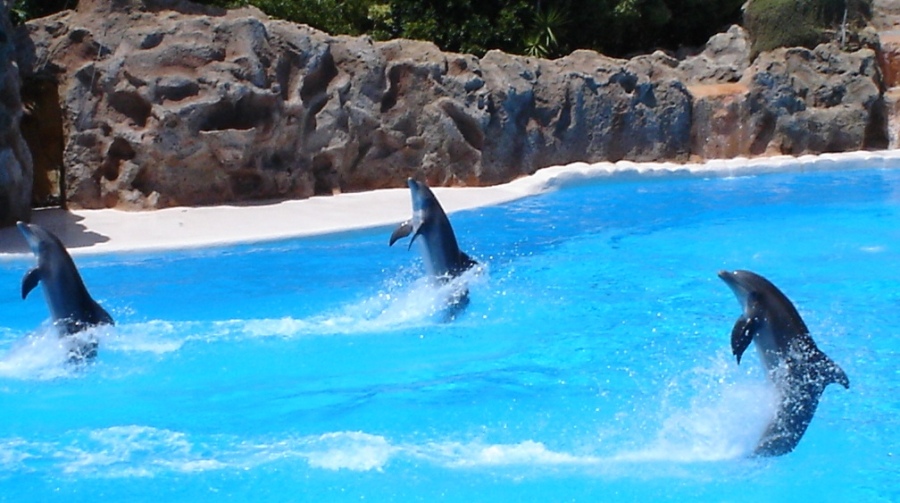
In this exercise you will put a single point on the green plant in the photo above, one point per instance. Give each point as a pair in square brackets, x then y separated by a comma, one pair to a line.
[544, 38]
[805, 23]
[23, 10]
[546, 28]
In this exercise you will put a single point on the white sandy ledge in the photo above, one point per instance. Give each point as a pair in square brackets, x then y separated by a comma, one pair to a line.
[106, 231]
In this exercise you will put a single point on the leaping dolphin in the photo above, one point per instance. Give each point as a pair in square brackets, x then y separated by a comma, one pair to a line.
[441, 253]
[71, 306]
[799, 370]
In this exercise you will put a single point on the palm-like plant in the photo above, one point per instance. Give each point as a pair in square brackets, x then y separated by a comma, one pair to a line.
[547, 28]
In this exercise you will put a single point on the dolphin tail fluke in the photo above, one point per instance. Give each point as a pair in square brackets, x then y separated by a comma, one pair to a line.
[831, 372]
[30, 281]
[401, 231]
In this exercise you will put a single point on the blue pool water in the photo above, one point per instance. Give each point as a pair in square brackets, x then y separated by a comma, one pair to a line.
[593, 363]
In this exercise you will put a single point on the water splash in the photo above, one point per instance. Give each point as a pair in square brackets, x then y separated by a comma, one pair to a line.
[727, 410]
[400, 303]
[43, 355]
[157, 337]
[480, 454]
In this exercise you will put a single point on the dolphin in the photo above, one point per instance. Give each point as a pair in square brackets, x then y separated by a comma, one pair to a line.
[793, 362]
[71, 306]
[440, 251]
[443, 259]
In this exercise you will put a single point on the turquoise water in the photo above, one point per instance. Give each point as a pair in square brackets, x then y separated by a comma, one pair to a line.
[592, 364]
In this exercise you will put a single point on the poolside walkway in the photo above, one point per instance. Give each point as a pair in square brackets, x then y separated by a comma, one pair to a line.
[105, 231]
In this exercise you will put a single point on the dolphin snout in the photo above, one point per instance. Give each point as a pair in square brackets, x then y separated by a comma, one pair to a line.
[728, 277]
[28, 233]
[738, 288]
[415, 186]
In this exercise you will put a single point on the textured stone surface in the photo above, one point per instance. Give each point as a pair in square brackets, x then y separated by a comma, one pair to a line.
[15, 158]
[810, 101]
[168, 103]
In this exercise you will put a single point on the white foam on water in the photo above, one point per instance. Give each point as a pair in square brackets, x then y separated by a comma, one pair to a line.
[44, 355]
[157, 336]
[133, 451]
[479, 454]
[14, 452]
[143, 451]
[355, 451]
[398, 305]
[727, 411]
[423, 300]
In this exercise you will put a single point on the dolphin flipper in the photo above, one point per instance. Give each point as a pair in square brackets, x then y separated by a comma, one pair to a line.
[30, 281]
[742, 335]
[401, 231]
[418, 231]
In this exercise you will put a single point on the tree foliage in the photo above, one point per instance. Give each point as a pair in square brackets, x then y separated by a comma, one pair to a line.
[22, 10]
[806, 23]
[546, 28]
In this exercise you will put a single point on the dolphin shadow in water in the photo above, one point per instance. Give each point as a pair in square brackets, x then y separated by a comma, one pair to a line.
[443, 259]
[796, 366]
[71, 306]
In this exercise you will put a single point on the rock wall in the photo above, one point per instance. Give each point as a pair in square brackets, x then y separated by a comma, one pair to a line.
[887, 24]
[164, 103]
[15, 158]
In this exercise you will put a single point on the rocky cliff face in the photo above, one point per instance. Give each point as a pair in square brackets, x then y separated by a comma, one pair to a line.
[15, 158]
[163, 103]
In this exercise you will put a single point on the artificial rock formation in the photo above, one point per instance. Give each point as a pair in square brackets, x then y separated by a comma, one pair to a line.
[15, 157]
[164, 103]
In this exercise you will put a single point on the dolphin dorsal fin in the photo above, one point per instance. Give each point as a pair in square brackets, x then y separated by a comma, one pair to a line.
[401, 231]
[30, 281]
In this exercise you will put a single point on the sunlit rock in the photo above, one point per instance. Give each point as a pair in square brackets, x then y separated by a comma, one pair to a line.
[165, 102]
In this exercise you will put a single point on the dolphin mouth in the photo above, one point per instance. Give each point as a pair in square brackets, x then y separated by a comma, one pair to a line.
[727, 277]
[34, 242]
[737, 287]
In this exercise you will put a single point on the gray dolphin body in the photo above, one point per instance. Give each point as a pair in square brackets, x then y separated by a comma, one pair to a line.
[71, 306]
[441, 253]
[799, 370]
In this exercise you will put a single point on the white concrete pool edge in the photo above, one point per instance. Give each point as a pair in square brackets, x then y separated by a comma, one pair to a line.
[106, 231]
